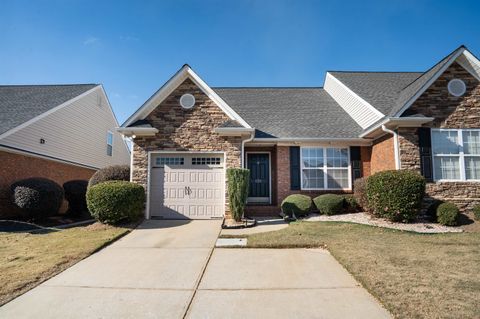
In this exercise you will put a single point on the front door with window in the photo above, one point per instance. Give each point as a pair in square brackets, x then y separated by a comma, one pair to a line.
[259, 166]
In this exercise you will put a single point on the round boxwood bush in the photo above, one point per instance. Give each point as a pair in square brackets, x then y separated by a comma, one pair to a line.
[396, 195]
[110, 173]
[447, 214]
[329, 204]
[476, 212]
[114, 201]
[350, 204]
[75, 194]
[37, 197]
[360, 193]
[296, 205]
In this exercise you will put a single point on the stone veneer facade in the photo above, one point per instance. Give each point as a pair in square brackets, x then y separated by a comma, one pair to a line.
[449, 112]
[184, 130]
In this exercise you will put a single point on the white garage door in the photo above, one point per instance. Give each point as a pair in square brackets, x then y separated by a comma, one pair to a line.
[187, 186]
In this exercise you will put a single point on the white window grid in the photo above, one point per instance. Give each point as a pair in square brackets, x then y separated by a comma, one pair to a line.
[322, 166]
[461, 154]
[162, 161]
[109, 143]
[206, 161]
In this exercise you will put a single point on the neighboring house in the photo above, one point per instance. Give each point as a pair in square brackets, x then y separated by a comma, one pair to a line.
[60, 132]
[307, 140]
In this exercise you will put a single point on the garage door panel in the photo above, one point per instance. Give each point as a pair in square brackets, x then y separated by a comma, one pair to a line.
[187, 190]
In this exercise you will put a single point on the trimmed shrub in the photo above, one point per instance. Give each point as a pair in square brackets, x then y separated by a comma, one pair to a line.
[110, 173]
[238, 182]
[396, 195]
[447, 214]
[360, 193]
[476, 212]
[296, 205]
[350, 204]
[329, 204]
[37, 197]
[75, 194]
[114, 201]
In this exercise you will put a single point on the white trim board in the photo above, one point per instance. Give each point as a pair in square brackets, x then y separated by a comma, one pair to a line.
[177, 79]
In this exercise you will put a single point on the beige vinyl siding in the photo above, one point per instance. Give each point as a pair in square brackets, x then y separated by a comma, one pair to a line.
[76, 133]
[361, 112]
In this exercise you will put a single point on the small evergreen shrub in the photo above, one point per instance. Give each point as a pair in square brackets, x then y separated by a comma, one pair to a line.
[75, 194]
[447, 214]
[360, 193]
[329, 204]
[238, 183]
[110, 173]
[296, 205]
[37, 197]
[476, 212]
[396, 195]
[114, 201]
[350, 204]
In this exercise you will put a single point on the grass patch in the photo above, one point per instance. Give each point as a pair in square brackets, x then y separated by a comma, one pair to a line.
[413, 275]
[27, 259]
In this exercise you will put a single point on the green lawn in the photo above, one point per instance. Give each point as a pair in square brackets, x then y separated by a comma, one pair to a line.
[413, 275]
[29, 259]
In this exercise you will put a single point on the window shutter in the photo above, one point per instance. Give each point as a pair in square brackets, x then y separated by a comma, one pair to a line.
[294, 167]
[425, 146]
[355, 162]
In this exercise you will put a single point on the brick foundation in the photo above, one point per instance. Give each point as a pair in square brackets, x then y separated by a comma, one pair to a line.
[16, 167]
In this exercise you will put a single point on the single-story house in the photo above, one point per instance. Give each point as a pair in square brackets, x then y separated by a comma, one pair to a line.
[309, 140]
[60, 132]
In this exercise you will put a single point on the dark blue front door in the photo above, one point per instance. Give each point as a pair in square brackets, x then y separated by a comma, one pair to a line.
[259, 167]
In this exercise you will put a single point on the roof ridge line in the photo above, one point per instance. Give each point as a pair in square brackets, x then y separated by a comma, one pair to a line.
[374, 71]
[267, 87]
[73, 84]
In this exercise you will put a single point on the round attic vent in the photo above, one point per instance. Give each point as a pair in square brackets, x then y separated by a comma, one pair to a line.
[457, 87]
[187, 101]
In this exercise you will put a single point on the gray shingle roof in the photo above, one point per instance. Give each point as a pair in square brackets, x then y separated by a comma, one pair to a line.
[290, 112]
[21, 103]
[231, 124]
[380, 89]
[389, 91]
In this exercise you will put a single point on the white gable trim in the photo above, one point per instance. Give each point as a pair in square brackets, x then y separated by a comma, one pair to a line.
[470, 63]
[44, 114]
[429, 83]
[177, 79]
[359, 110]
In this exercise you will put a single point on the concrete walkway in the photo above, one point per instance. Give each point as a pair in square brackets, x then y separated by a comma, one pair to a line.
[169, 269]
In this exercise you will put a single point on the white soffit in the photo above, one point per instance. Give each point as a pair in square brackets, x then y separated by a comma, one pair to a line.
[360, 110]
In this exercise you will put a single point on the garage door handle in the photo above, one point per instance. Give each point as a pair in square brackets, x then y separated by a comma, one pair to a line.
[188, 191]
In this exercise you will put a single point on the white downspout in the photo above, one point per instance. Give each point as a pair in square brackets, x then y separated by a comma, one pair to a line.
[396, 150]
[252, 135]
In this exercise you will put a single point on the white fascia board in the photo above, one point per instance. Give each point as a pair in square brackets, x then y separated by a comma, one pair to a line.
[306, 140]
[355, 95]
[139, 131]
[395, 122]
[177, 79]
[44, 114]
[429, 83]
[471, 64]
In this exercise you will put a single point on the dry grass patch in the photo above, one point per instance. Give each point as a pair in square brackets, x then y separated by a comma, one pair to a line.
[413, 275]
[27, 259]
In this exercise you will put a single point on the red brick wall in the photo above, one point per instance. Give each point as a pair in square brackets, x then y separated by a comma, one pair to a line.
[383, 156]
[16, 167]
[365, 158]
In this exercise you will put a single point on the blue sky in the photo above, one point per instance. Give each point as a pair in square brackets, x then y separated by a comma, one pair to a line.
[133, 47]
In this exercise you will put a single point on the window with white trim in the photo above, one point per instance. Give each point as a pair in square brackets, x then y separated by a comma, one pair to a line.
[325, 168]
[456, 154]
[169, 161]
[109, 143]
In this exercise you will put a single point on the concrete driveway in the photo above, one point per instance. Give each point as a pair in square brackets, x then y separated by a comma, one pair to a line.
[169, 269]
